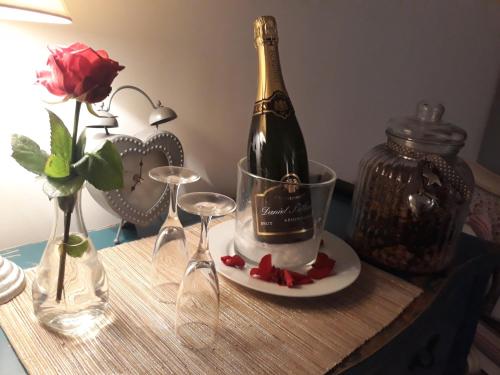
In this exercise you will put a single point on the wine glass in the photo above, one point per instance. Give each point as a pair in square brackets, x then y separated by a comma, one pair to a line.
[169, 253]
[197, 308]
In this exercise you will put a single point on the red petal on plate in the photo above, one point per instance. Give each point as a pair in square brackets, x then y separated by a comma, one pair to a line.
[288, 278]
[256, 272]
[300, 279]
[323, 260]
[277, 275]
[266, 264]
[265, 270]
[233, 261]
[320, 272]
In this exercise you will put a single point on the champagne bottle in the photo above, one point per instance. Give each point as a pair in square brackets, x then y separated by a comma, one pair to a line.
[276, 150]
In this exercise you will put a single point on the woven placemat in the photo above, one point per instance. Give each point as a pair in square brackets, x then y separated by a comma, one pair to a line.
[259, 334]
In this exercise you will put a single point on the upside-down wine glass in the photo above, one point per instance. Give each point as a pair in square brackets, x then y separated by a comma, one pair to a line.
[169, 254]
[197, 308]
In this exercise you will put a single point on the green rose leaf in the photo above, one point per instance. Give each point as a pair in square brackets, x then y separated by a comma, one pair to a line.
[60, 139]
[102, 168]
[58, 164]
[76, 246]
[62, 187]
[28, 154]
[56, 167]
[80, 145]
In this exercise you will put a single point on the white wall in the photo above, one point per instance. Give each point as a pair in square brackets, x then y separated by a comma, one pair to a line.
[348, 66]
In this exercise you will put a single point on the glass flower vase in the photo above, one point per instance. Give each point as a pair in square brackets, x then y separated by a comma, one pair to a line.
[70, 289]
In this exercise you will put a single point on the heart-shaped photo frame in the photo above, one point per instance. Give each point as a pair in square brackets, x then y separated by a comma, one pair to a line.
[141, 200]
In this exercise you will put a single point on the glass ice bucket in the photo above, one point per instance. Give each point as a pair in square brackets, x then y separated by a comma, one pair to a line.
[284, 219]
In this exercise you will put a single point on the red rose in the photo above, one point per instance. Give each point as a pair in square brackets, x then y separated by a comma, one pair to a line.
[79, 72]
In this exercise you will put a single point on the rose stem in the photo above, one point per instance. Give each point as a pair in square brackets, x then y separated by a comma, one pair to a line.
[67, 210]
[62, 257]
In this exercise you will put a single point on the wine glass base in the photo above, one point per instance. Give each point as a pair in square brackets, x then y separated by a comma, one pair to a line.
[170, 174]
[166, 292]
[196, 335]
[207, 204]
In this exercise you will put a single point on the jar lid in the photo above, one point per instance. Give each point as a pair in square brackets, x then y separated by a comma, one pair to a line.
[427, 127]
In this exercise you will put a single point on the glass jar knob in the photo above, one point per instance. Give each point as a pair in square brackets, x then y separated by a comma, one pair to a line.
[430, 112]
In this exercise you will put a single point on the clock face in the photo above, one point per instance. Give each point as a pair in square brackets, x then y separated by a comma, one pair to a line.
[142, 199]
[139, 190]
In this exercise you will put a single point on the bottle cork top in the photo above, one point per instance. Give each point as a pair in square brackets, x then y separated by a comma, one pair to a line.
[265, 30]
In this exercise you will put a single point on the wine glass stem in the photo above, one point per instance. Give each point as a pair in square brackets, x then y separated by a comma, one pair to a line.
[203, 246]
[172, 210]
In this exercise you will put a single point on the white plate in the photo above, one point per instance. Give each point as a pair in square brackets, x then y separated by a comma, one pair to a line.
[346, 271]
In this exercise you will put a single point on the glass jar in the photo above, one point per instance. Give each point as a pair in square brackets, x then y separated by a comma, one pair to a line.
[412, 194]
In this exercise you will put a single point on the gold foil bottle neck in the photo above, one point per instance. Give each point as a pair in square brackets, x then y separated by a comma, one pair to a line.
[265, 30]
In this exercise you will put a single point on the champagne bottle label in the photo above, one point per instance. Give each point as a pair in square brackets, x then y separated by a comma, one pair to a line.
[278, 104]
[283, 213]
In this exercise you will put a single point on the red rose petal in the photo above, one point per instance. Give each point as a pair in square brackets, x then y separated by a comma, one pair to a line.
[255, 272]
[233, 261]
[267, 272]
[323, 260]
[288, 278]
[277, 275]
[79, 72]
[266, 265]
[320, 272]
[300, 279]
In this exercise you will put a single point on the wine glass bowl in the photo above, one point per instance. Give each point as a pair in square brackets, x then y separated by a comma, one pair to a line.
[169, 254]
[168, 260]
[197, 307]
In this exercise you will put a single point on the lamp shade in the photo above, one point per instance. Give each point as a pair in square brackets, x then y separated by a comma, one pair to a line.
[48, 11]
